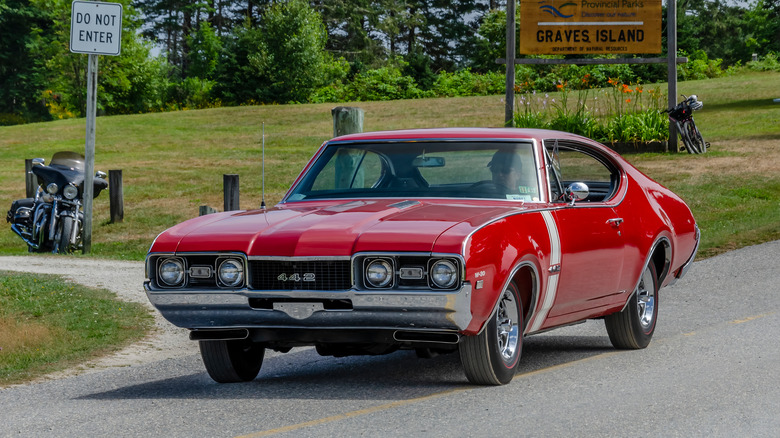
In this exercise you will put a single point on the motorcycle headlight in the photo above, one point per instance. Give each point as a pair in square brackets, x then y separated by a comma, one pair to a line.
[444, 274]
[231, 273]
[379, 273]
[70, 192]
[171, 272]
[52, 188]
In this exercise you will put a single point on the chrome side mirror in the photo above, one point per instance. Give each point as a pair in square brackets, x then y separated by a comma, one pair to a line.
[38, 161]
[576, 192]
[100, 174]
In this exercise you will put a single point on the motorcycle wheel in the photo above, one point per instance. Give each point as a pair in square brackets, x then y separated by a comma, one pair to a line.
[63, 239]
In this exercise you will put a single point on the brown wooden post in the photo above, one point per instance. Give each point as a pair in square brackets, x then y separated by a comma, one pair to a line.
[29, 179]
[205, 209]
[116, 196]
[230, 188]
[347, 120]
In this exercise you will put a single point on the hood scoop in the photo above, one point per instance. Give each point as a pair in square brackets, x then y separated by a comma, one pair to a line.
[404, 204]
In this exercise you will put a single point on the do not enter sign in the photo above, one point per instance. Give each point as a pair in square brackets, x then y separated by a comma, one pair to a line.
[96, 28]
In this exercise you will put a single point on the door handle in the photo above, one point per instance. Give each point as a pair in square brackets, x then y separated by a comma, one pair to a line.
[615, 222]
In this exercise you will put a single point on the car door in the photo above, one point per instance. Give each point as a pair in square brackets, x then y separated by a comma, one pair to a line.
[591, 241]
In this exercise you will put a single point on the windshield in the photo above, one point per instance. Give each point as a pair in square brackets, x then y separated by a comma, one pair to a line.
[68, 159]
[496, 170]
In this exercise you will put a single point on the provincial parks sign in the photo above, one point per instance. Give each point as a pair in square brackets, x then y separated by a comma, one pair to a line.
[562, 27]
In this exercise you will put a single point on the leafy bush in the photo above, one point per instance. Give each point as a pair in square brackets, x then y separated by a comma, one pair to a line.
[386, 83]
[699, 66]
[466, 83]
[768, 63]
[7, 119]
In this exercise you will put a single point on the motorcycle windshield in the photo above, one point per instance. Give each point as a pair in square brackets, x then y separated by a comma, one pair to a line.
[72, 160]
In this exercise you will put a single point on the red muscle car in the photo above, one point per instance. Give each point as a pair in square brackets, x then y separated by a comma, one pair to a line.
[437, 240]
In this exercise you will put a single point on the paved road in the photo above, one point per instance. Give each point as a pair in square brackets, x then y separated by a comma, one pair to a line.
[711, 370]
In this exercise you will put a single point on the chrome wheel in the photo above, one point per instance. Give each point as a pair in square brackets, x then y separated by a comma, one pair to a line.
[645, 302]
[507, 328]
[633, 327]
[492, 356]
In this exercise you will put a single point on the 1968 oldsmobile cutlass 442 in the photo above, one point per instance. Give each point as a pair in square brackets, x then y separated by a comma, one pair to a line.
[437, 240]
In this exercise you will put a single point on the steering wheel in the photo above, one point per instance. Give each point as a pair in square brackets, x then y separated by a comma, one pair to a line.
[488, 186]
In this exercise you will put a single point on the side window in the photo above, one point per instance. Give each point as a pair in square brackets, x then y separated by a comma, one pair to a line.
[577, 163]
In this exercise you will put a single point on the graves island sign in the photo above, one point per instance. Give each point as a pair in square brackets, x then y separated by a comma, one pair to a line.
[561, 27]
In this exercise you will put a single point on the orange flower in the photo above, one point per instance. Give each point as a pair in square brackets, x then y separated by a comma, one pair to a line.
[559, 86]
[628, 100]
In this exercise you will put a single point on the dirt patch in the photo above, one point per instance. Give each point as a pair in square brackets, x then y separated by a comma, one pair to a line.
[741, 157]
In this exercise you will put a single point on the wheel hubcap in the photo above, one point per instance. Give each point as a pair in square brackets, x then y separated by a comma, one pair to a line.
[645, 299]
[507, 328]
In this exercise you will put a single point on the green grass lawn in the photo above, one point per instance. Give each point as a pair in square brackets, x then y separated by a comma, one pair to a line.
[47, 324]
[173, 162]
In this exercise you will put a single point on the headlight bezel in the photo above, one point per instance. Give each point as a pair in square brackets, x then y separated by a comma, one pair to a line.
[453, 268]
[70, 192]
[239, 265]
[378, 266]
[161, 274]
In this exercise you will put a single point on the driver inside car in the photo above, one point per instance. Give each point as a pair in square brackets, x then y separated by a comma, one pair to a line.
[506, 168]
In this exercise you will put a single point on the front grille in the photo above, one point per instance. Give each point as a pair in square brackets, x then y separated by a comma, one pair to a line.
[300, 274]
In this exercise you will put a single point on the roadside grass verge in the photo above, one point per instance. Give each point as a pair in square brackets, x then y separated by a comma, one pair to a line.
[48, 324]
[173, 162]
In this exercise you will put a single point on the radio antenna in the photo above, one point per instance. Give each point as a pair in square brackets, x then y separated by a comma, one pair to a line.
[262, 201]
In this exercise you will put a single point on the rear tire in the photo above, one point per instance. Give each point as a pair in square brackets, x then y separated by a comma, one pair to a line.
[492, 357]
[692, 138]
[232, 361]
[633, 327]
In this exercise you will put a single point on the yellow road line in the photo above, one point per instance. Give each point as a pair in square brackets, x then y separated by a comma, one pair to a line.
[410, 401]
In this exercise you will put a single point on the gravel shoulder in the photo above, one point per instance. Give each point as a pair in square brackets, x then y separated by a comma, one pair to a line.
[125, 279]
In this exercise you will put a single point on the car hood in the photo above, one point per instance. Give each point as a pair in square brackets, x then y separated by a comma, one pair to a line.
[336, 228]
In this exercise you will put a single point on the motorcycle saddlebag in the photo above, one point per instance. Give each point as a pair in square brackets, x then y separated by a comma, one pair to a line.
[25, 202]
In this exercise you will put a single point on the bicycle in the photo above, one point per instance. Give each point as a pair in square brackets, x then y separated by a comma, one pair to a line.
[682, 116]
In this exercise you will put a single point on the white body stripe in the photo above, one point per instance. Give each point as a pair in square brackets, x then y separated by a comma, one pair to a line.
[552, 280]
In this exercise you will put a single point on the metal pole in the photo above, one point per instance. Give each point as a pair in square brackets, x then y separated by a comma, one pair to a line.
[89, 153]
[511, 31]
[671, 64]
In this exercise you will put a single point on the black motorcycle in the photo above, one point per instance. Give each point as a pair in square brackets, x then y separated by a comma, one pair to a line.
[52, 220]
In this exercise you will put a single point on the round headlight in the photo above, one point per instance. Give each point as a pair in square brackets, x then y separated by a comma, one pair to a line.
[70, 192]
[379, 273]
[52, 188]
[231, 272]
[444, 274]
[171, 272]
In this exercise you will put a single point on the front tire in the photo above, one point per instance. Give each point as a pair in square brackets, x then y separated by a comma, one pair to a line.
[62, 240]
[232, 361]
[633, 327]
[492, 357]
[692, 138]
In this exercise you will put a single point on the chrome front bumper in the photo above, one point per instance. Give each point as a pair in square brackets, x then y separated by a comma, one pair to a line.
[406, 310]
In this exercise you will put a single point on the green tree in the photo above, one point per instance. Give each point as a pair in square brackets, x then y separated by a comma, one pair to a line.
[25, 34]
[291, 56]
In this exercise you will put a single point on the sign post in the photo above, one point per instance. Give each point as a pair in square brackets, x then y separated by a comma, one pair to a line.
[95, 29]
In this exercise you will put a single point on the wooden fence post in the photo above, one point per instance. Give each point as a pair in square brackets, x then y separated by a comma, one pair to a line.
[205, 209]
[116, 196]
[230, 188]
[29, 179]
[347, 120]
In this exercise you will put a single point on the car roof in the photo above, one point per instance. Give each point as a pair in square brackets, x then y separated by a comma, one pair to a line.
[458, 133]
